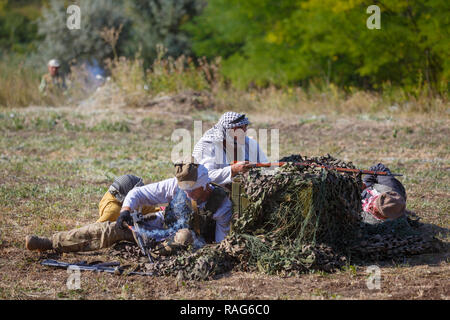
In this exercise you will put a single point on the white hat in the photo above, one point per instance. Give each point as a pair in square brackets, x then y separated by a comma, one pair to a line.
[54, 63]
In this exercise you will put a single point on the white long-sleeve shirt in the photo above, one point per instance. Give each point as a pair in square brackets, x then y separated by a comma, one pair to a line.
[163, 192]
[218, 162]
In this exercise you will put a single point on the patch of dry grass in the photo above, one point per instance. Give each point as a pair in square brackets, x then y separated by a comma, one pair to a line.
[56, 163]
[135, 87]
[19, 85]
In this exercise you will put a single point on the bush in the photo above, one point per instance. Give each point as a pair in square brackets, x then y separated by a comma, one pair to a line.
[160, 22]
[175, 75]
[18, 83]
[290, 42]
[166, 76]
[87, 43]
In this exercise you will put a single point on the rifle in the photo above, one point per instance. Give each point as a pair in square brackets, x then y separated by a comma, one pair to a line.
[339, 169]
[138, 218]
[108, 267]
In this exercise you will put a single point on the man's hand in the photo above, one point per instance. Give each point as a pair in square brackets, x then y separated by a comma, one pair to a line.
[125, 216]
[241, 166]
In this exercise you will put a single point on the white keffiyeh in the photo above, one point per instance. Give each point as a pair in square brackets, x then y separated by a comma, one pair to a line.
[215, 149]
[218, 133]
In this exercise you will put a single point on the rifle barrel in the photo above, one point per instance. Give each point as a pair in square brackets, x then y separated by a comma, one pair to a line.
[278, 164]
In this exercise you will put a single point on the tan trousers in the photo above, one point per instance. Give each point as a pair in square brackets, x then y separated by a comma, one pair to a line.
[92, 237]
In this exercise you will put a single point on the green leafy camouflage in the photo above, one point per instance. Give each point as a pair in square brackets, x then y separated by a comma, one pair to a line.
[299, 219]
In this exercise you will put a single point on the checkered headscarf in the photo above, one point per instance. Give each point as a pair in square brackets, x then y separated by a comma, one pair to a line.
[229, 120]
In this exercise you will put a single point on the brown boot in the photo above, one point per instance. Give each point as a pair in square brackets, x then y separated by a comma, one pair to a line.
[38, 243]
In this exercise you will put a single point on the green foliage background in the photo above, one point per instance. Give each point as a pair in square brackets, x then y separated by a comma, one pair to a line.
[18, 28]
[292, 41]
[85, 44]
[159, 22]
[262, 42]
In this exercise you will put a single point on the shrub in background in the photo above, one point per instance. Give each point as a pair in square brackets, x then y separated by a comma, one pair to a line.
[18, 83]
[87, 43]
[290, 42]
[159, 22]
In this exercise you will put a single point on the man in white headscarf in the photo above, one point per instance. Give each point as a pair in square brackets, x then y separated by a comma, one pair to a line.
[225, 149]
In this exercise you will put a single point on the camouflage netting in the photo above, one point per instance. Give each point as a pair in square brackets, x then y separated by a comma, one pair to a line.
[299, 218]
[300, 204]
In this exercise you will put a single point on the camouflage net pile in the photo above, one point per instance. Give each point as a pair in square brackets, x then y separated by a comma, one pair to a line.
[301, 204]
[299, 218]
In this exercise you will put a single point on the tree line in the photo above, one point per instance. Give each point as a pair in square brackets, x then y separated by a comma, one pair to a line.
[261, 42]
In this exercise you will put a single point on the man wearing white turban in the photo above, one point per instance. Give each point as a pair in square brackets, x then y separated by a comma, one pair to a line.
[225, 149]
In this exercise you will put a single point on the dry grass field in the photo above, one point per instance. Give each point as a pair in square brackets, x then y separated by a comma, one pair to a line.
[56, 164]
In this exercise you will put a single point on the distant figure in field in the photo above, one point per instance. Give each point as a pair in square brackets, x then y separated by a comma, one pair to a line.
[53, 82]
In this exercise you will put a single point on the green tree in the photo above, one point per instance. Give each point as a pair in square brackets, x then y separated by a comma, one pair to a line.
[18, 31]
[85, 44]
[292, 41]
[159, 22]
[3, 4]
